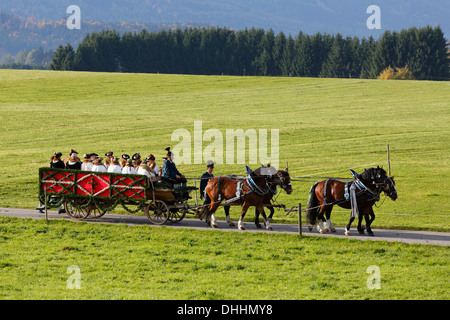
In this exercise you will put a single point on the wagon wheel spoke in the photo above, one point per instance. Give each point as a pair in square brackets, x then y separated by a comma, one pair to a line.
[177, 216]
[75, 209]
[157, 212]
[96, 211]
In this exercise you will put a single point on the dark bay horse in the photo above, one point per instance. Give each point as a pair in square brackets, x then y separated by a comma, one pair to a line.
[327, 193]
[252, 192]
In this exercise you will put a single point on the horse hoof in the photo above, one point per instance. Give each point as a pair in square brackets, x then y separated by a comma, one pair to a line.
[269, 228]
[347, 233]
[333, 230]
[361, 231]
[231, 224]
[321, 232]
[214, 225]
[327, 230]
[310, 228]
[241, 228]
[258, 226]
[371, 234]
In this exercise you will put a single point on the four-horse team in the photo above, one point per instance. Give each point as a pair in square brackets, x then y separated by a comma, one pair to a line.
[255, 189]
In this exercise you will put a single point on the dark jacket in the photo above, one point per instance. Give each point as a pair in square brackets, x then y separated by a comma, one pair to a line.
[169, 170]
[204, 182]
[58, 164]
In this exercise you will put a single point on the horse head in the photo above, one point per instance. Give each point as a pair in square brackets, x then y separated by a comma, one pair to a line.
[383, 183]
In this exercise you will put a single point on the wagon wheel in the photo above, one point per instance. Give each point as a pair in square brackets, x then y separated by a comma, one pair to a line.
[157, 212]
[177, 216]
[75, 209]
[95, 211]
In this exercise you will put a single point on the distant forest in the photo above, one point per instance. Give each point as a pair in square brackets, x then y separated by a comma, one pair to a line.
[256, 52]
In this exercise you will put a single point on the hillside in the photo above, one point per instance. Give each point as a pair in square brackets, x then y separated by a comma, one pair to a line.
[326, 126]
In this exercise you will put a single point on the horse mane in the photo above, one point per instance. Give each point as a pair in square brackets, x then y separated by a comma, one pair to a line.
[370, 174]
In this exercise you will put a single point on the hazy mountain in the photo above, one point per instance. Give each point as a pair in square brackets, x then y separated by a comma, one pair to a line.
[290, 16]
[347, 17]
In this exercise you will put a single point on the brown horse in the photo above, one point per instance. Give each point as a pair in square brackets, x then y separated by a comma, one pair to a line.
[327, 193]
[252, 191]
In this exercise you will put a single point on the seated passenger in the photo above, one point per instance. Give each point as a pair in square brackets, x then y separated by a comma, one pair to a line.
[109, 156]
[56, 161]
[73, 162]
[144, 169]
[152, 164]
[87, 163]
[170, 172]
[125, 158]
[128, 168]
[98, 165]
[115, 166]
[136, 160]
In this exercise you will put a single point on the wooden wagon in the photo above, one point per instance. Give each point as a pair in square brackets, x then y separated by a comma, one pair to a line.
[91, 194]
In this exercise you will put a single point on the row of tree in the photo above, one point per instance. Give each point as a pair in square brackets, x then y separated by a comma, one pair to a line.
[215, 51]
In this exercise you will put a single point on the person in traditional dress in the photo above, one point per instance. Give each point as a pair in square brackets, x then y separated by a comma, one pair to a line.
[115, 166]
[145, 169]
[125, 158]
[208, 175]
[87, 163]
[170, 172]
[128, 168]
[73, 162]
[98, 165]
[56, 161]
[72, 151]
[136, 160]
[152, 164]
[108, 158]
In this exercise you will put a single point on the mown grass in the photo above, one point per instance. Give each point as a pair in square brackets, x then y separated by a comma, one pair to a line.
[326, 127]
[142, 262]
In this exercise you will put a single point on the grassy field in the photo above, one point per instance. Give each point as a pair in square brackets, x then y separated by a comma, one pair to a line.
[142, 262]
[326, 127]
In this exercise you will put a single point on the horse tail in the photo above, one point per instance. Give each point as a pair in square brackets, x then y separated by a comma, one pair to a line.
[313, 206]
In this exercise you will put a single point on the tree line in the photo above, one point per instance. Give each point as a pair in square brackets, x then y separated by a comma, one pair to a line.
[256, 52]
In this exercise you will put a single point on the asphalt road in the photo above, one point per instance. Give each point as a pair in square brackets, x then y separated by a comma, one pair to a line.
[406, 236]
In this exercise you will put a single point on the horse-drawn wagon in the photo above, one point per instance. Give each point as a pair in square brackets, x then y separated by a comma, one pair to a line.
[91, 194]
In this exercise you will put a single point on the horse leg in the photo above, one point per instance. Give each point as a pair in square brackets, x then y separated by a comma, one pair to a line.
[320, 221]
[369, 217]
[227, 213]
[347, 227]
[258, 225]
[243, 212]
[360, 217]
[266, 221]
[272, 211]
[212, 210]
[328, 225]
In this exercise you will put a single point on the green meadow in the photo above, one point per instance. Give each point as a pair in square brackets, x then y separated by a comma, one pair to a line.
[326, 126]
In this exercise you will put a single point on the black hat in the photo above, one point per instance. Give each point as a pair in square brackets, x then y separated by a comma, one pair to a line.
[87, 155]
[109, 154]
[150, 157]
[136, 156]
[73, 151]
[57, 154]
[94, 154]
[210, 164]
[125, 156]
[169, 153]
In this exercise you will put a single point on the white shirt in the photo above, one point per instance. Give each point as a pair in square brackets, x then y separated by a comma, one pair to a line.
[86, 166]
[129, 170]
[100, 168]
[144, 172]
[156, 168]
[115, 168]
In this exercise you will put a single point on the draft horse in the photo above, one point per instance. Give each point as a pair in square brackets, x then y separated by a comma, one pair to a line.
[327, 193]
[247, 192]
